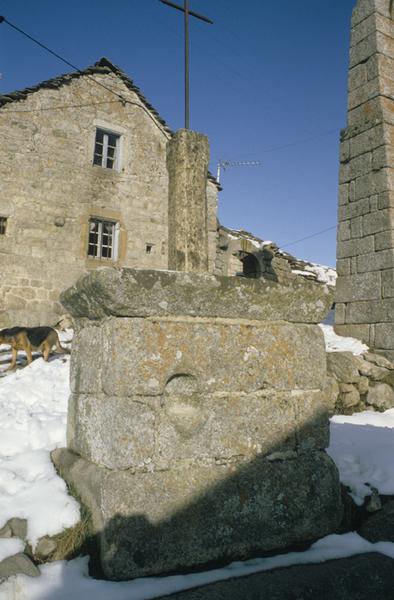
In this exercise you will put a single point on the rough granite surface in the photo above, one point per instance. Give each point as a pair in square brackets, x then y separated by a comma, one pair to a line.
[198, 417]
[145, 293]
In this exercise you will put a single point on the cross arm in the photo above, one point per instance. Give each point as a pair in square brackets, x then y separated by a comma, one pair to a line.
[192, 13]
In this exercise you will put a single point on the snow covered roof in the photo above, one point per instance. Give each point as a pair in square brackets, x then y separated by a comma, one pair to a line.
[316, 272]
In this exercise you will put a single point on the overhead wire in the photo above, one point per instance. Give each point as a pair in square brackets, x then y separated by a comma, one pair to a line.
[67, 62]
[308, 237]
[124, 100]
[120, 97]
[289, 144]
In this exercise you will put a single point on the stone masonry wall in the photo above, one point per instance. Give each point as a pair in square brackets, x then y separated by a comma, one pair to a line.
[365, 248]
[187, 164]
[198, 431]
[49, 189]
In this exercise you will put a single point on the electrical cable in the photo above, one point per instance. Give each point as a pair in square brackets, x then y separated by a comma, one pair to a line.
[3, 19]
[119, 96]
[307, 237]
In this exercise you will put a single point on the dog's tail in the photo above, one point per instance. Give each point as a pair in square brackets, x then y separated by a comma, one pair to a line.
[54, 340]
[63, 349]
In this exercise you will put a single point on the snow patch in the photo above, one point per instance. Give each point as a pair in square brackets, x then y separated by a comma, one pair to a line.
[33, 417]
[68, 580]
[338, 343]
[10, 546]
[362, 446]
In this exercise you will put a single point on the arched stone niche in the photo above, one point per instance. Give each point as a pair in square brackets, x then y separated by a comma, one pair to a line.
[181, 403]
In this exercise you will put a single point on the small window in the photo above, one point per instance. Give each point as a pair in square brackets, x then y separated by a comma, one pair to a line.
[148, 248]
[106, 149]
[251, 267]
[103, 239]
[3, 225]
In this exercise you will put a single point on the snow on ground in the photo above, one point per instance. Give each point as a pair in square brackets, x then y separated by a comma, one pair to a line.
[337, 343]
[324, 274]
[33, 416]
[69, 580]
[10, 546]
[33, 412]
[362, 446]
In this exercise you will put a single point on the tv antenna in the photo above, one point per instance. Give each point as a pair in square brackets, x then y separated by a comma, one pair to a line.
[225, 164]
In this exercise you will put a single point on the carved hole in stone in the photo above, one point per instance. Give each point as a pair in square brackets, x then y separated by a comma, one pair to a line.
[181, 384]
[182, 405]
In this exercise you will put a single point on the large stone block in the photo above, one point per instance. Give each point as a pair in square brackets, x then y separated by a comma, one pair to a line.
[118, 433]
[201, 414]
[363, 332]
[378, 221]
[374, 22]
[146, 434]
[312, 411]
[386, 199]
[355, 247]
[358, 287]
[363, 50]
[344, 366]
[354, 209]
[384, 240]
[367, 140]
[88, 342]
[357, 76]
[384, 339]
[365, 8]
[222, 427]
[376, 261]
[388, 283]
[359, 95]
[151, 523]
[144, 293]
[141, 356]
[371, 311]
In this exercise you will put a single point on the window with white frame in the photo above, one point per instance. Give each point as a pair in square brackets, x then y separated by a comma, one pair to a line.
[103, 239]
[106, 149]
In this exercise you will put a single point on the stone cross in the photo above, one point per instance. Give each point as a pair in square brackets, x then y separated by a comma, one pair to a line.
[187, 12]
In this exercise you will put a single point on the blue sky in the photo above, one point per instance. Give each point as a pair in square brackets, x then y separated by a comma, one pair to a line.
[268, 83]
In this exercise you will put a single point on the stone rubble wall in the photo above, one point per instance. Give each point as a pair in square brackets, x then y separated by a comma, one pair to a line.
[272, 263]
[363, 382]
[365, 246]
[198, 417]
[24, 562]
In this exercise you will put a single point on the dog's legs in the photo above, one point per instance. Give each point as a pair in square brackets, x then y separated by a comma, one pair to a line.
[46, 350]
[28, 354]
[13, 359]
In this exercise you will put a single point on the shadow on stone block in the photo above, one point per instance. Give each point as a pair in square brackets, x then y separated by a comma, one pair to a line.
[151, 523]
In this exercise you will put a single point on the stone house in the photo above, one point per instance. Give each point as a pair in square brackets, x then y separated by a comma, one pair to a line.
[83, 184]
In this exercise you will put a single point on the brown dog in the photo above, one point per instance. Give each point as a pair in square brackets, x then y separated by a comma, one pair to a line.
[31, 338]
